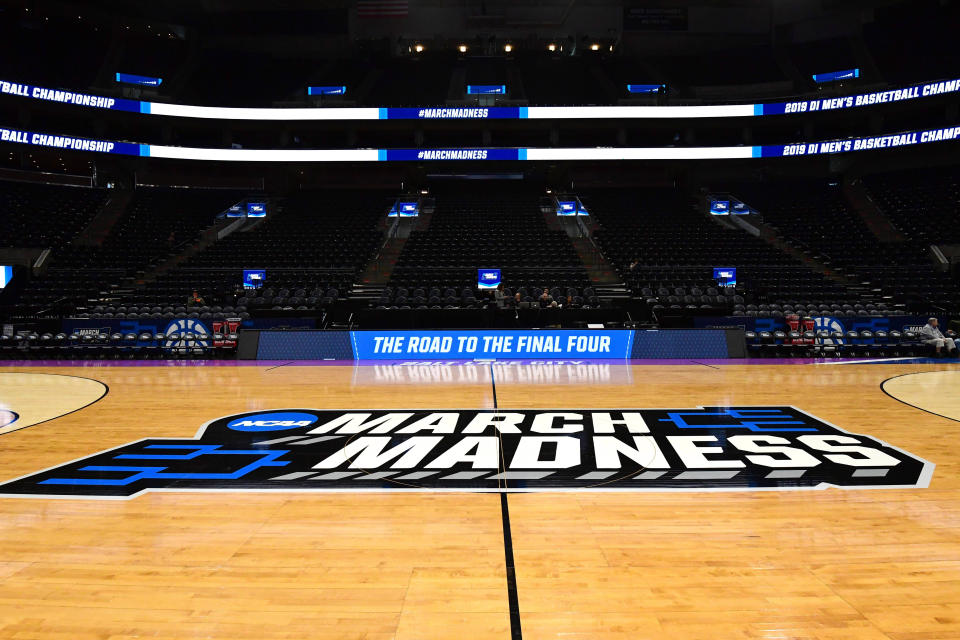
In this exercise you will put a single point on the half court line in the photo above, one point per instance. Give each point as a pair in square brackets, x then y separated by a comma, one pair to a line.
[513, 599]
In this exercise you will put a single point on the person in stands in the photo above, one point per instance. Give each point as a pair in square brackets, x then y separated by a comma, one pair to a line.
[195, 300]
[498, 296]
[545, 298]
[931, 335]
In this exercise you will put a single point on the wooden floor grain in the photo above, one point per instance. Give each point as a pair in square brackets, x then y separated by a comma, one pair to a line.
[834, 564]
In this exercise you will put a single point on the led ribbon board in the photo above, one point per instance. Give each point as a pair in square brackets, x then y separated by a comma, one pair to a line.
[483, 113]
[908, 138]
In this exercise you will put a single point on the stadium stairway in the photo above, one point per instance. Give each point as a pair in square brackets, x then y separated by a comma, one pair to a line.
[600, 271]
[787, 66]
[518, 90]
[380, 268]
[207, 237]
[873, 217]
[458, 80]
[605, 83]
[366, 85]
[603, 277]
[103, 222]
[775, 239]
[863, 57]
[610, 288]
[856, 290]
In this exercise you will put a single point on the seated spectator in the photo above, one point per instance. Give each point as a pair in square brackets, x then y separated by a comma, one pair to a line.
[545, 298]
[195, 300]
[931, 335]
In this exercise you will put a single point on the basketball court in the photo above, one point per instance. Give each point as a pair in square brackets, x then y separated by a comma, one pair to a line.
[511, 554]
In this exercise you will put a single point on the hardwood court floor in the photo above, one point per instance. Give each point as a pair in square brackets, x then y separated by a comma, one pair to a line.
[833, 564]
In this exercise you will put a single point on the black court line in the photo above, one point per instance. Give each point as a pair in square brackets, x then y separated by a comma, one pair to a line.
[704, 364]
[279, 365]
[933, 413]
[512, 598]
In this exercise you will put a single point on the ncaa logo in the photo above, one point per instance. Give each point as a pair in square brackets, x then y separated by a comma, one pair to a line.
[273, 421]
[825, 323]
[190, 333]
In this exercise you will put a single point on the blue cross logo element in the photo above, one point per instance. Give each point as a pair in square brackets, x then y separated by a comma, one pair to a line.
[751, 419]
[193, 451]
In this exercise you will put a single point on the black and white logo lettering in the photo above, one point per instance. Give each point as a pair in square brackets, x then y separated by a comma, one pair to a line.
[702, 449]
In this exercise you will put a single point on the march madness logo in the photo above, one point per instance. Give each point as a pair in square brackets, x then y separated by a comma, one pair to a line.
[708, 448]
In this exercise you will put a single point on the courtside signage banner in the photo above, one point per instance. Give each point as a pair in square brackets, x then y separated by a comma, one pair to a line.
[908, 138]
[684, 449]
[477, 113]
[473, 344]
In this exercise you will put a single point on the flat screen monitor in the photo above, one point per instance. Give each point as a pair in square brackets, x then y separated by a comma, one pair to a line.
[256, 209]
[720, 207]
[132, 78]
[6, 275]
[725, 276]
[335, 90]
[499, 89]
[409, 209]
[566, 207]
[488, 278]
[253, 278]
[645, 88]
[833, 76]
